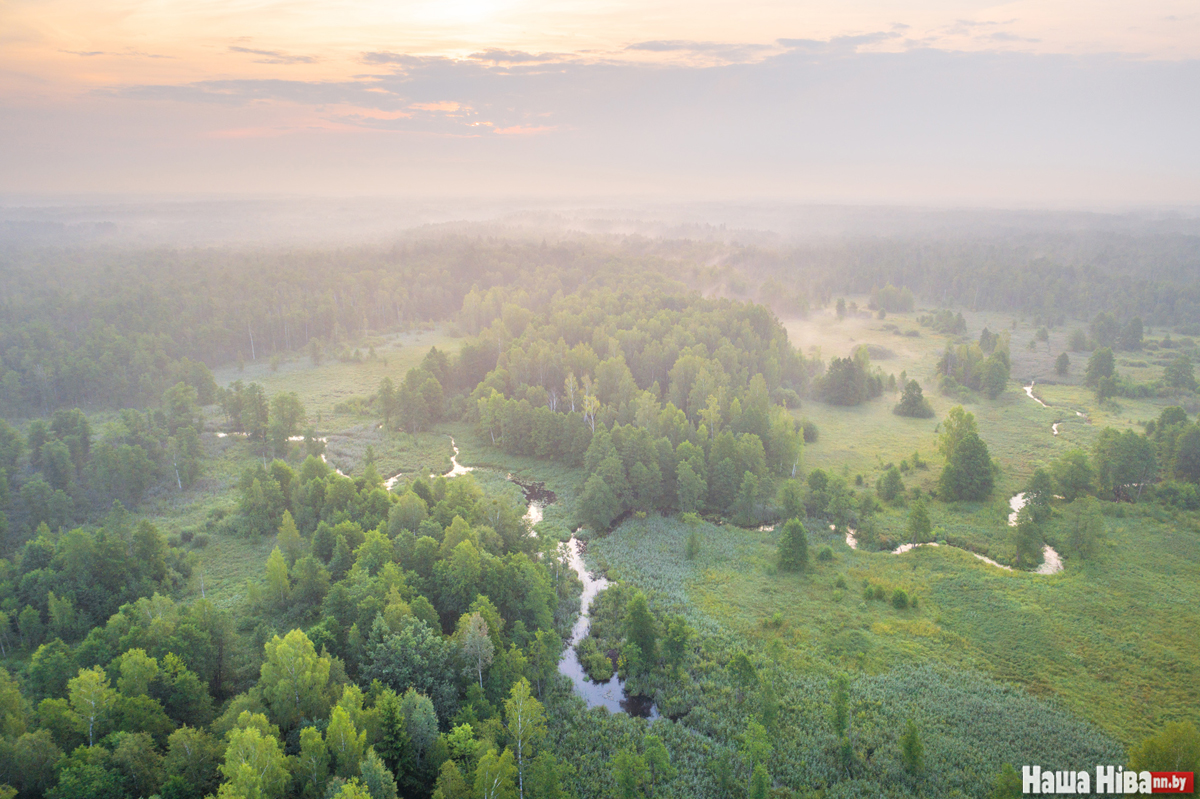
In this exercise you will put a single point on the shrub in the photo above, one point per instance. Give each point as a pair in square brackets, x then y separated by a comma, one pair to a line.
[200, 540]
[186, 536]
[826, 553]
[840, 582]
[899, 599]
[692, 548]
[597, 664]
[810, 431]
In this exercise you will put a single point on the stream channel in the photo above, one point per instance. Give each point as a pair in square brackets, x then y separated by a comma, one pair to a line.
[610, 694]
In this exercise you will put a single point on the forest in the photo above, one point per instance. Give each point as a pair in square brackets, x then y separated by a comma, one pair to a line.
[379, 521]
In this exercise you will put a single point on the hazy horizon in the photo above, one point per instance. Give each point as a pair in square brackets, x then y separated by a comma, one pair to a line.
[1062, 104]
[231, 220]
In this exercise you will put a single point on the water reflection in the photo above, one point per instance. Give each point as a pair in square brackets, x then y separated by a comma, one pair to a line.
[611, 693]
[536, 495]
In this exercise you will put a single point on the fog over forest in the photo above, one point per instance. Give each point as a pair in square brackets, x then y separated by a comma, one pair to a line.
[647, 399]
[148, 221]
[482, 499]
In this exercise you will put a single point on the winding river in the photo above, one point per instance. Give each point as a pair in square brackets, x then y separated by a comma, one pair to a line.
[610, 694]
[1051, 560]
[456, 469]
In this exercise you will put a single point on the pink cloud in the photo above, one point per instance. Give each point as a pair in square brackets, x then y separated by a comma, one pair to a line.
[527, 130]
[444, 105]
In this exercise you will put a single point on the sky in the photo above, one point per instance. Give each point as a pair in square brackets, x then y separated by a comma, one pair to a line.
[1030, 103]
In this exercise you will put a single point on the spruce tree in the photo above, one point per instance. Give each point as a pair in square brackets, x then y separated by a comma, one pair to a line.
[793, 547]
[640, 626]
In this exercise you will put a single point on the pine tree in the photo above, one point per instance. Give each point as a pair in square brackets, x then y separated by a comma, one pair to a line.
[640, 627]
[793, 547]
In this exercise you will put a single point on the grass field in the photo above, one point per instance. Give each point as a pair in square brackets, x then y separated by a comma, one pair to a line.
[1058, 636]
[322, 387]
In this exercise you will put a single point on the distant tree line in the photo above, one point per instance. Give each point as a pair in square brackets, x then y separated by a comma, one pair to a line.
[102, 328]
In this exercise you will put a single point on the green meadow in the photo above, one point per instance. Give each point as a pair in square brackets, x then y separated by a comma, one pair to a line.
[1112, 640]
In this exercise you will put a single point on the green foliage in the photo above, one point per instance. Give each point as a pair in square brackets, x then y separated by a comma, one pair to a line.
[1072, 474]
[345, 743]
[967, 365]
[1039, 492]
[294, 679]
[848, 381]
[1104, 330]
[891, 299]
[641, 627]
[1176, 747]
[1027, 539]
[793, 546]
[630, 773]
[1126, 463]
[495, 775]
[254, 763]
[890, 486]
[92, 700]
[919, 526]
[913, 403]
[968, 471]
[1007, 784]
[912, 751]
[1179, 373]
[525, 720]
[1101, 365]
[1085, 528]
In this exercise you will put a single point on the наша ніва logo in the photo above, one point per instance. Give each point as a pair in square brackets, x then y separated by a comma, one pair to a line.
[1109, 779]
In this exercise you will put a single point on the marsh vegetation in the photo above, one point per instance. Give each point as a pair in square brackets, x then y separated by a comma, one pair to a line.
[870, 534]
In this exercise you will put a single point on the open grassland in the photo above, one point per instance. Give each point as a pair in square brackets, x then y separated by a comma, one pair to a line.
[322, 388]
[1113, 639]
[866, 438]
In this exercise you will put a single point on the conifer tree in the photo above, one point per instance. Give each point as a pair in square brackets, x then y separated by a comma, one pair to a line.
[793, 547]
